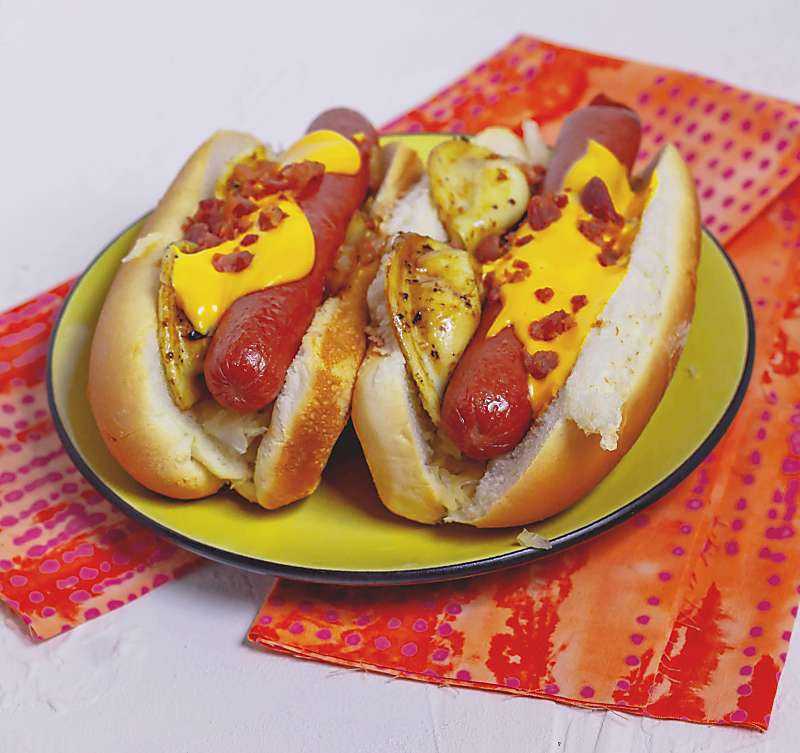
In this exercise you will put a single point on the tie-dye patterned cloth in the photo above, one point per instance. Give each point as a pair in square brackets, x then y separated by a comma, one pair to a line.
[685, 611]
[66, 554]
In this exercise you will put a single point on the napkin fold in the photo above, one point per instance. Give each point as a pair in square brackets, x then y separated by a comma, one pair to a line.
[684, 611]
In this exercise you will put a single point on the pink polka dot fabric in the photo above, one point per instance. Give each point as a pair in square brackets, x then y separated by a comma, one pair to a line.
[66, 555]
[686, 610]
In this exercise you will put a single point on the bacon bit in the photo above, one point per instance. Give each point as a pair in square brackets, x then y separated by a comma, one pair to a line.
[209, 212]
[608, 257]
[250, 178]
[519, 275]
[593, 231]
[248, 240]
[233, 262]
[578, 302]
[260, 178]
[596, 200]
[208, 205]
[199, 234]
[271, 217]
[541, 363]
[523, 240]
[491, 248]
[543, 295]
[561, 200]
[534, 174]
[241, 207]
[491, 287]
[237, 214]
[542, 211]
[551, 326]
[218, 220]
[520, 264]
[302, 177]
[502, 175]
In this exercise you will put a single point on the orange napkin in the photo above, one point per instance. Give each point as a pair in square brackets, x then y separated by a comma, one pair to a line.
[66, 554]
[684, 611]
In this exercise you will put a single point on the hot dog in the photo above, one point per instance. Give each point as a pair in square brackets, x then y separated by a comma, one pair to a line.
[224, 355]
[486, 410]
[588, 280]
[614, 126]
[260, 334]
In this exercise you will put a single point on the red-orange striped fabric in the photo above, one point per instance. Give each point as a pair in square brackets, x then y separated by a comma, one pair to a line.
[684, 611]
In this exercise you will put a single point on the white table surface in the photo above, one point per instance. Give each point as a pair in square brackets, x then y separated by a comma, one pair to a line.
[100, 104]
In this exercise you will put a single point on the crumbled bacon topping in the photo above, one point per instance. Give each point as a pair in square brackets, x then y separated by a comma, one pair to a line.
[250, 178]
[519, 274]
[523, 240]
[302, 177]
[236, 261]
[608, 257]
[603, 229]
[551, 326]
[271, 217]
[491, 248]
[596, 200]
[256, 179]
[542, 211]
[534, 174]
[541, 363]
[199, 234]
[578, 302]
[593, 230]
[491, 287]
[240, 207]
[218, 220]
[543, 295]
[604, 236]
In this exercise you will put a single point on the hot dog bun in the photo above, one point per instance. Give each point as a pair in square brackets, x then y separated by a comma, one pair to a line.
[167, 449]
[313, 406]
[618, 379]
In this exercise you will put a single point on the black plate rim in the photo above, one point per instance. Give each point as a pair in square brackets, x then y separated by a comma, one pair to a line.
[414, 576]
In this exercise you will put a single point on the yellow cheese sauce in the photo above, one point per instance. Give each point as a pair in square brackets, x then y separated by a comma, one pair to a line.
[336, 152]
[281, 254]
[562, 258]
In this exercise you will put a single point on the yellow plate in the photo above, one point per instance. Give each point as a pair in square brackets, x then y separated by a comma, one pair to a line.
[342, 533]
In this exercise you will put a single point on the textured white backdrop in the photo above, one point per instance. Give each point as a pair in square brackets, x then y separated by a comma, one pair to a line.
[99, 104]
